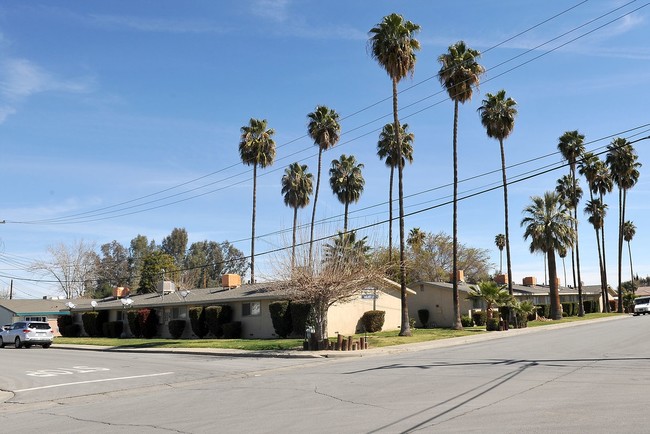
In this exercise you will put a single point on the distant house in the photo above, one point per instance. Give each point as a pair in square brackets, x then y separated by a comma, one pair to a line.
[436, 297]
[249, 304]
[32, 310]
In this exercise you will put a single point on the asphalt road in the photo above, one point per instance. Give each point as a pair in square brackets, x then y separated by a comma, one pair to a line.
[587, 378]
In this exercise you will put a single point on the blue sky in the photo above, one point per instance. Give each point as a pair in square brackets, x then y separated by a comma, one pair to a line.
[122, 118]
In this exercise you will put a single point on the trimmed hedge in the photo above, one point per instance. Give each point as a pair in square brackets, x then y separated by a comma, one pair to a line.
[232, 330]
[591, 306]
[113, 329]
[492, 325]
[134, 324]
[300, 313]
[72, 331]
[176, 327]
[281, 318]
[102, 318]
[373, 320]
[197, 321]
[216, 317]
[423, 316]
[148, 321]
[466, 321]
[479, 317]
[63, 322]
[89, 320]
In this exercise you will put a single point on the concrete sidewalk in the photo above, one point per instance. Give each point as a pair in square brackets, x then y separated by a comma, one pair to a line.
[395, 349]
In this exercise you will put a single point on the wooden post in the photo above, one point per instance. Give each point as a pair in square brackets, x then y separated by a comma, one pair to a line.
[349, 343]
[339, 342]
[354, 346]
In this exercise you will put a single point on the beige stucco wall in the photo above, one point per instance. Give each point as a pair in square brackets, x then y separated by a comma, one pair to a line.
[343, 318]
[439, 302]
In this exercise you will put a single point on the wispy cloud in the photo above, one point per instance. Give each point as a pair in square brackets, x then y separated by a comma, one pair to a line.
[157, 25]
[21, 79]
[276, 10]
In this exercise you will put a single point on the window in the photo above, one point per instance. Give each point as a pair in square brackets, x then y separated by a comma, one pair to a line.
[251, 309]
[36, 318]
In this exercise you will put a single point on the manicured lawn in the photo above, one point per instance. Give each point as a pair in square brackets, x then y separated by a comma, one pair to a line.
[375, 340]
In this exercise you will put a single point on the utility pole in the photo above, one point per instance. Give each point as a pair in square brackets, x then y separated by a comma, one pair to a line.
[11, 287]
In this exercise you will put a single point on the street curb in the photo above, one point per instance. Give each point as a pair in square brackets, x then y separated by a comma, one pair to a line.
[395, 349]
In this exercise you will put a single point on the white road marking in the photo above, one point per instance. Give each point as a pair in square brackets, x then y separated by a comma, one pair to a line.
[93, 381]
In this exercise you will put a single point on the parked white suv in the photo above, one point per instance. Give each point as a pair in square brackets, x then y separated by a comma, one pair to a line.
[641, 305]
[27, 333]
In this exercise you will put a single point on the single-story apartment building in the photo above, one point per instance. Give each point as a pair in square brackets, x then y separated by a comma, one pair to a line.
[32, 310]
[249, 304]
[436, 297]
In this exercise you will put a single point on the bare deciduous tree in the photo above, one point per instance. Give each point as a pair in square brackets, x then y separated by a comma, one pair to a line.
[72, 266]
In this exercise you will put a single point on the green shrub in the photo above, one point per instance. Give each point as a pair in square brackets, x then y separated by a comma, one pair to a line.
[423, 315]
[567, 309]
[176, 328]
[113, 329]
[411, 323]
[492, 324]
[89, 320]
[232, 330]
[479, 317]
[373, 320]
[544, 310]
[197, 321]
[591, 306]
[72, 330]
[522, 320]
[300, 315]
[148, 321]
[466, 321]
[102, 318]
[134, 324]
[212, 314]
[63, 322]
[281, 318]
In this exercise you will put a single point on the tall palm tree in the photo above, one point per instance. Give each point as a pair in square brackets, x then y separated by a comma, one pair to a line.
[297, 186]
[602, 184]
[549, 225]
[571, 146]
[416, 238]
[624, 167]
[346, 250]
[393, 45]
[564, 188]
[459, 74]
[387, 150]
[562, 254]
[347, 182]
[325, 131]
[629, 230]
[597, 210]
[500, 242]
[498, 117]
[257, 149]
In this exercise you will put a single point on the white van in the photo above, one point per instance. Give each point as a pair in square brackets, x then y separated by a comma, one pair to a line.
[641, 305]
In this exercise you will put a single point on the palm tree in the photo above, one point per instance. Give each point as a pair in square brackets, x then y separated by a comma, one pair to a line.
[597, 210]
[562, 254]
[591, 167]
[500, 242]
[325, 131]
[393, 45]
[549, 225]
[459, 74]
[387, 150]
[571, 146]
[256, 148]
[297, 186]
[498, 117]
[347, 182]
[622, 161]
[346, 249]
[629, 230]
[416, 238]
[491, 293]
[602, 184]
[564, 188]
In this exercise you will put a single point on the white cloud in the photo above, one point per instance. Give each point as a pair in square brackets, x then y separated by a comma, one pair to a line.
[276, 10]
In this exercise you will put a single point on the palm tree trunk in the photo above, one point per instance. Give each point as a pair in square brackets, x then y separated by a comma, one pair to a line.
[621, 218]
[405, 328]
[554, 294]
[505, 207]
[600, 265]
[457, 325]
[581, 305]
[629, 251]
[293, 244]
[604, 281]
[390, 216]
[313, 212]
[345, 216]
[253, 223]
[564, 268]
